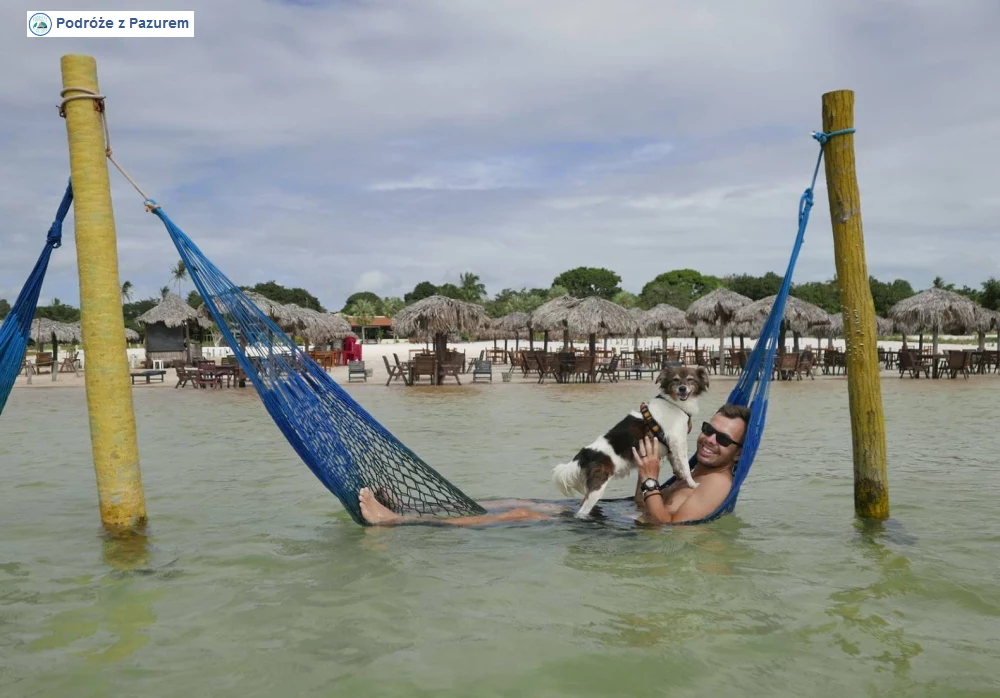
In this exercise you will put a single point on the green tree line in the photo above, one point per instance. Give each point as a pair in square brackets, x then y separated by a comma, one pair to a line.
[678, 287]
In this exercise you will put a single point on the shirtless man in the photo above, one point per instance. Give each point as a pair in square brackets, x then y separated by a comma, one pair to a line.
[719, 446]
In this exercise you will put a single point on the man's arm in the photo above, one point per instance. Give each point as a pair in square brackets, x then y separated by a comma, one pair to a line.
[703, 501]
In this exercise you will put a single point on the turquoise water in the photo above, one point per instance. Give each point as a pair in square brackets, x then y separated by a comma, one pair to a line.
[254, 582]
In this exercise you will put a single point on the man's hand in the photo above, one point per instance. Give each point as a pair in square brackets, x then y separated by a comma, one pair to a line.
[647, 459]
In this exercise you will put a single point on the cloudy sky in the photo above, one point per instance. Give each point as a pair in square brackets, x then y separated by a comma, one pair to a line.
[351, 145]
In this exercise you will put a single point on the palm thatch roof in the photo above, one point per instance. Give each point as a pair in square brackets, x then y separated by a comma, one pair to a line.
[718, 307]
[883, 327]
[800, 316]
[990, 319]
[42, 330]
[551, 315]
[172, 311]
[493, 329]
[439, 315]
[667, 318]
[131, 335]
[938, 310]
[317, 327]
[643, 323]
[516, 322]
[595, 315]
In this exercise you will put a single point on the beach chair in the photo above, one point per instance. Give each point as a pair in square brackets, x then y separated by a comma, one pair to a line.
[908, 361]
[356, 369]
[609, 370]
[395, 372]
[958, 362]
[482, 369]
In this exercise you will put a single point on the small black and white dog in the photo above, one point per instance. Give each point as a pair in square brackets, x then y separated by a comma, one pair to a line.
[610, 456]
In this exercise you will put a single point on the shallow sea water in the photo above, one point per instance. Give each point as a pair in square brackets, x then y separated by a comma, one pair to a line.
[253, 581]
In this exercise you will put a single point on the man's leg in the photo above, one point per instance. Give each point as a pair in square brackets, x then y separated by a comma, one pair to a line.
[376, 513]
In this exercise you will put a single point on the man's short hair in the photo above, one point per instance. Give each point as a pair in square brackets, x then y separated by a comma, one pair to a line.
[731, 411]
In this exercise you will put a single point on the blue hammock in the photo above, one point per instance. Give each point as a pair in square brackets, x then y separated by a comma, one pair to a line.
[16, 327]
[340, 442]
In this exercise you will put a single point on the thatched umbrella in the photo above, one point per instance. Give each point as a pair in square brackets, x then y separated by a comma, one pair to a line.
[44, 330]
[551, 316]
[439, 315]
[516, 323]
[666, 319]
[594, 315]
[799, 316]
[642, 326]
[718, 309]
[937, 310]
[319, 328]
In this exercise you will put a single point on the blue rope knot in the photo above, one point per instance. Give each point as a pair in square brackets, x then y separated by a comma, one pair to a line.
[54, 238]
[824, 137]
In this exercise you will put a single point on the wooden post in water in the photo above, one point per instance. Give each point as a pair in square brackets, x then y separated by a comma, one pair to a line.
[109, 393]
[871, 480]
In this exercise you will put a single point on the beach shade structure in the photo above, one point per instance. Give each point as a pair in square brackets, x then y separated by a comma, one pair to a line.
[437, 316]
[938, 311]
[167, 329]
[516, 323]
[717, 309]
[642, 325]
[666, 319]
[593, 316]
[800, 317]
[989, 320]
[320, 328]
[45, 331]
[132, 336]
[550, 317]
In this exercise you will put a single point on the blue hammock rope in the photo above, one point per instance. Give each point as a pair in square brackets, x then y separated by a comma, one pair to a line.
[16, 328]
[338, 440]
[753, 387]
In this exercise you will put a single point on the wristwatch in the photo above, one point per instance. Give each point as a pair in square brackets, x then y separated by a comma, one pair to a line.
[649, 485]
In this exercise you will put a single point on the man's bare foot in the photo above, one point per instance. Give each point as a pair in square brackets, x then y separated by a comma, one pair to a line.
[373, 511]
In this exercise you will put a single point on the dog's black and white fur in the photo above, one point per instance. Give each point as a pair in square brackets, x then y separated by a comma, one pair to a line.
[610, 456]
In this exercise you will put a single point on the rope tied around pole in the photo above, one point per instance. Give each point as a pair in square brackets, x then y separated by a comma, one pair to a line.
[806, 202]
[84, 93]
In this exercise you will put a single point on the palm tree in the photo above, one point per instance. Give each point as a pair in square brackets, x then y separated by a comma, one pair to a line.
[164, 291]
[178, 274]
[127, 292]
[472, 288]
[363, 311]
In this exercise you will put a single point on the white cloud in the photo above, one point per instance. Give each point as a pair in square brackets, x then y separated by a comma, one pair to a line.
[517, 139]
[374, 281]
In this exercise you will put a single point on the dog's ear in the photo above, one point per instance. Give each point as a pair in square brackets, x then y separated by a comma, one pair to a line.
[666, 373]
[703, 377]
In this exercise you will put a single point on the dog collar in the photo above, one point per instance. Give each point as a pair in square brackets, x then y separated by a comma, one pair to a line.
[654, 426]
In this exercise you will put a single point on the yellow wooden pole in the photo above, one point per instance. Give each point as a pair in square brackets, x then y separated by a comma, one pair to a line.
[871, 480]
[109, 393]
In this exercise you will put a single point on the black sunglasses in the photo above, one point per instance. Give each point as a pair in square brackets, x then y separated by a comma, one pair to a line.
[724, 439]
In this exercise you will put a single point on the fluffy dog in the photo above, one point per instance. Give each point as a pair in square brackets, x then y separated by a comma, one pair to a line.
[610, 456]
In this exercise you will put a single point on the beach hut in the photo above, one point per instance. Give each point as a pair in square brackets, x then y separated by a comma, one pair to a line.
[167, 327]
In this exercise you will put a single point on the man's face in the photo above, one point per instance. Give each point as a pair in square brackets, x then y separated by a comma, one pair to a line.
[710, 453]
